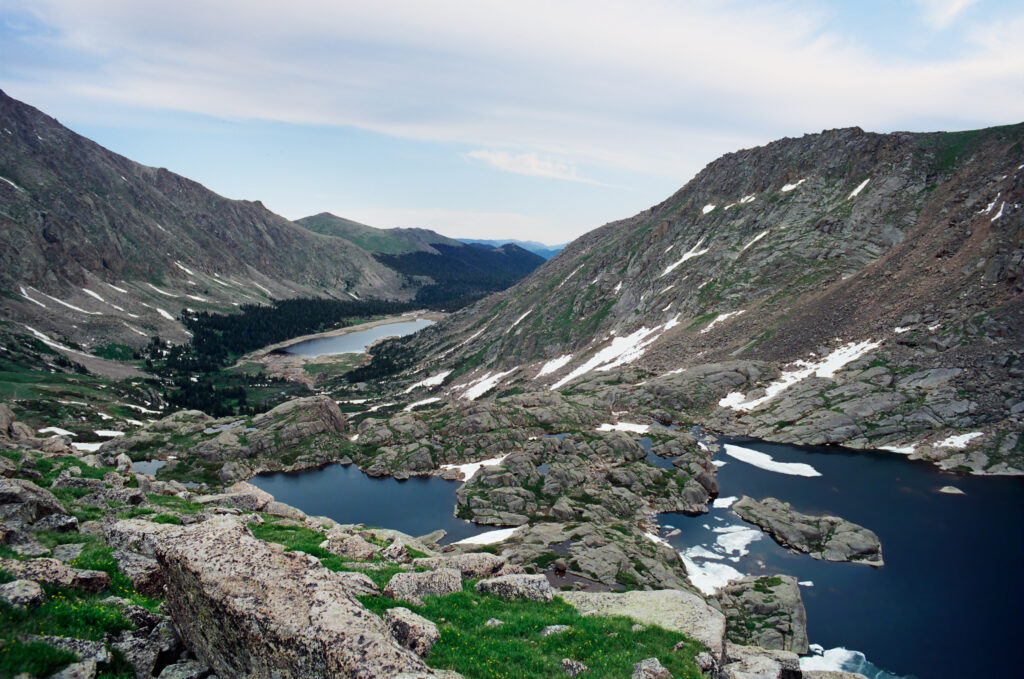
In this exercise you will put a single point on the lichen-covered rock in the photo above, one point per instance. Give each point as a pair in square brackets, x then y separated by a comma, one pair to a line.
[185, 669]
[248, 610]
[359, 584]
[137, 535]
[765, 611]
[823, 537]
[573, 668]
[85, 669]
[85, 650]
[412, 587]
[22, 500]
[531, 587]
[751, 662]
[554, 629]
[397, 552]
[472, 565]
[22, 593]
[672, 609]
[242, 495]
[650, 668]
[55, 573]
[411, 630]
[143, 571]
[348, 545]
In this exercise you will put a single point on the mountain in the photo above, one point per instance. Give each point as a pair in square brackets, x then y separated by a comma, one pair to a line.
[545, 251]
[844, 287]
[372, 239]
[450, 273]
[94, 245]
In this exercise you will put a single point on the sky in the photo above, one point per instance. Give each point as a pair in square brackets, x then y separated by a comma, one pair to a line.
[530, 119]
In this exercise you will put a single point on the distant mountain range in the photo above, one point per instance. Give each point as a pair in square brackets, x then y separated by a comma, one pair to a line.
[545, 251]
[96, 248]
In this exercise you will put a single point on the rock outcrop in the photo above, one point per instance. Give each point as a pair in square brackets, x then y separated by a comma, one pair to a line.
[412, 587]
[823, 537]
[530, 587]
[248, 610]
[672, 609]
[765, 611]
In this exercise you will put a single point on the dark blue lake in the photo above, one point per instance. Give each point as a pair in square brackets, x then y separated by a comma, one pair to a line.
[947, 602]
[356, 342]
[416, 506]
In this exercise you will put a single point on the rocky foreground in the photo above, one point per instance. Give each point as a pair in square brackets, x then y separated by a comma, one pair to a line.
[112, 573]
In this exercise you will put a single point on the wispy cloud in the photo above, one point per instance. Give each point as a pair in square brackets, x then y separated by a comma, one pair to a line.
[532, 165]
[941, 13]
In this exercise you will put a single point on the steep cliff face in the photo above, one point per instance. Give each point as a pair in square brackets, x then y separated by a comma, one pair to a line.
[904, 251]
[95, 244]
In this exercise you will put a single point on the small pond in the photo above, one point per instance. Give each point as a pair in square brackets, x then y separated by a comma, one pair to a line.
[355, 342]
[416, 506]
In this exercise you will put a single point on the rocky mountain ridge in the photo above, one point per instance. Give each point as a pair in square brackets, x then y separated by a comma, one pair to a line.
[844, 287]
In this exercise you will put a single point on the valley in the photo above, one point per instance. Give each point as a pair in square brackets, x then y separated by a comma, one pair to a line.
[771, 426]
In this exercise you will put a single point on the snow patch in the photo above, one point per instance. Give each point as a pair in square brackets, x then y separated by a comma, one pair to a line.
[25, 295]
[626, 426]
[56, 431]
[93, 294]
[135, 330]
[806, 583]
[724, 502]
[902, 450]
[197, 298]
[489, 538]
[184, 268]
[959, 440]
[826, 367]
[750, 199]
[481, 386]
[518, 320]
[71, 306]
[416, 404]
[736, 539]
[162, 292]
[566, 280]
[991, 205]
[711, 576]
[121, 290]
[108, 433]
[720, 318]
[900, 330]
[86, 447]
[618, 286]
[767, 462]
[756, 238]
[789, 187]
[554, 365]
[860, 187]
[1000, 213]
[707, 208]
[5, 179]
[693, 252]
[471, 468]
[164, 314]
[270, 293]
[432, 381]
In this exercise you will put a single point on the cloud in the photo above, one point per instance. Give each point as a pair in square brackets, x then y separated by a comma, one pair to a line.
[532, 165]
[655, 87]
[940, 13]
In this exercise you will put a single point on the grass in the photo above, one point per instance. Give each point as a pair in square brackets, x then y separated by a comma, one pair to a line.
[299, 539]
[607, 645]
[35, 658]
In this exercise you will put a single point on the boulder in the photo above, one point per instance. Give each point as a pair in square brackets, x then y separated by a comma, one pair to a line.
[77, 670]
[57, 523]
[137, 535]
[276, 508]
[412, 587]
[22, 500]
[411, 631]
[473, 565]
[248, 610]
[358, 584]
[750, 662]
[672, 609]
[650, 668]
[55, 573]
[573, 668]
[397, 552]
[348, 545]
[531, 587]
[765, 611]
[85, 650]
[185, 669]
[241, 495]
[22, 593]
[830, 538]
[554, 629]
[123, 463]
[143, 571]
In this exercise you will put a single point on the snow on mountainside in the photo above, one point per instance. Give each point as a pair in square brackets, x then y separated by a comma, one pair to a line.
[844, 287]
